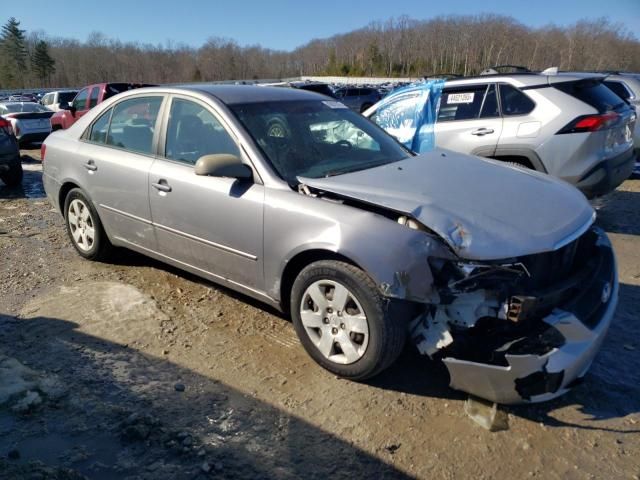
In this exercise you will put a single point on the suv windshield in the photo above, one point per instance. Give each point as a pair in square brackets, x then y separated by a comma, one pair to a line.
[315, 139]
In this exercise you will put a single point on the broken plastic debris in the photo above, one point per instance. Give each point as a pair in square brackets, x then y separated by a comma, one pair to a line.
[486, 414]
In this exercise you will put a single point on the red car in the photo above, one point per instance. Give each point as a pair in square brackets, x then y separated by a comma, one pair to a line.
[86, 99]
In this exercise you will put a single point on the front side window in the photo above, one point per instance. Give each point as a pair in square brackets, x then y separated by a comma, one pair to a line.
[80, 102]
[193, 131]
[93, 98]
[461, 103]
[514, 102]
[312, 138]
[133, 123]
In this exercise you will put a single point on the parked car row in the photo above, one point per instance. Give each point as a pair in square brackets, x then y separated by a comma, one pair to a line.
[495, 270]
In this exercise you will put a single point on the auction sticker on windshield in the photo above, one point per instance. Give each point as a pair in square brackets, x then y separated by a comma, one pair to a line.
[334, 104]
[460, 98]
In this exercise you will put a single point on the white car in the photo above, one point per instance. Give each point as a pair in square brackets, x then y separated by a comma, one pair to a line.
[54, 100]
[30, 121]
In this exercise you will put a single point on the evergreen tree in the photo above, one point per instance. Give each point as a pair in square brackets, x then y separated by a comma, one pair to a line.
[41, 62]
[13, 55]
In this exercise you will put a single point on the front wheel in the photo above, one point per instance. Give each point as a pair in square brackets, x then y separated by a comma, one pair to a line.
[84, 227]
[343, 322]
[13, 177]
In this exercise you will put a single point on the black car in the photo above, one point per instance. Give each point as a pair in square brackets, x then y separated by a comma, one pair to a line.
[10, 165]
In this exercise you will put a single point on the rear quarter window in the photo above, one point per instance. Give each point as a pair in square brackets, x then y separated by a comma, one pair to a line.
[514, 101]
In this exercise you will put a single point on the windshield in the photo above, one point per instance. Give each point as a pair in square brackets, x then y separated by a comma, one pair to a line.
[23, 107]
[314, 138]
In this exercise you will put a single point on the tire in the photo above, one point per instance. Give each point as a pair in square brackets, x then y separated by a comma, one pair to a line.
[84, 227]
[355, 348]
[13, 177]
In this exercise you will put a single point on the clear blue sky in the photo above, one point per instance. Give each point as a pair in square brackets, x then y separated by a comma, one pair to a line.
[279, 24]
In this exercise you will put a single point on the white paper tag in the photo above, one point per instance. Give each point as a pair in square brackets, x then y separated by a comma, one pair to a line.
[460, 98]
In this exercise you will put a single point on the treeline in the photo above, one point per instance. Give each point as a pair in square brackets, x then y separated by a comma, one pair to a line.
[397, 47]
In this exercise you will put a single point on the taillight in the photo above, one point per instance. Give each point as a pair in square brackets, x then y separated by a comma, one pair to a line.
[43, 150]
[6, 124]
[592, 123]
[17, 130]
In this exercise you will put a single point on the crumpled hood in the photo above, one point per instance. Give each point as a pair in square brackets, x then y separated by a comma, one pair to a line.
[484, 209]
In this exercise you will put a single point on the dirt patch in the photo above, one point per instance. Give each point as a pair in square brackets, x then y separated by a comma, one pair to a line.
[169, 376]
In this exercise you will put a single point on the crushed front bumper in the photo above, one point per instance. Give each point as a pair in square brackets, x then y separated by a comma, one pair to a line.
[551, 360]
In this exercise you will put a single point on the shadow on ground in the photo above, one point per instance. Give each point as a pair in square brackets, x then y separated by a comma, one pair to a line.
[619, 212]
[123, 416]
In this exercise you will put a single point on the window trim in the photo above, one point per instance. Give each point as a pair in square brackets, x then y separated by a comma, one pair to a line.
[154, 140]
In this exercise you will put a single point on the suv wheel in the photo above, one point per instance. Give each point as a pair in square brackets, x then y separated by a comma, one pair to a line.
[343, 322]
[13, 177]
[84, 226]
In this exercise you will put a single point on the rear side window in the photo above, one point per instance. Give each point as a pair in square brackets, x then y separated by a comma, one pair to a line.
[514, 102]
[93, 98]
[593, 93]
[461, 103]
[132, 124]
[619, 89]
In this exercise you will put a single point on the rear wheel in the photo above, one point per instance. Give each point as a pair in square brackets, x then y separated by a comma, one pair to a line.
[13, 177]
[84, 227]
[343, 322]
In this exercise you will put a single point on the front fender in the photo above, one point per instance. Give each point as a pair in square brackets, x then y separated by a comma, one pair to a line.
[393, 255]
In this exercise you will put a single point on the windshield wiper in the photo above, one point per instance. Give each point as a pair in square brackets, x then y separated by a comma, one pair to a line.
[355, 168]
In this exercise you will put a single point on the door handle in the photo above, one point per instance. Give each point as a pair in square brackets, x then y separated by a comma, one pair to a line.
[162, 186]
[91, 166]
[482, 131]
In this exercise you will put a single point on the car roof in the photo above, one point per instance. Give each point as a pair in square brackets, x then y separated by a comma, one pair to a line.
[236, 94]
[524, 79]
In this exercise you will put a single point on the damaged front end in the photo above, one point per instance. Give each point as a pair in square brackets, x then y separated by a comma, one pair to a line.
[522, 330]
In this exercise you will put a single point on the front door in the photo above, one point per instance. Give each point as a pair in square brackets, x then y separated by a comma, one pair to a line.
[210, 224]
[469, 119]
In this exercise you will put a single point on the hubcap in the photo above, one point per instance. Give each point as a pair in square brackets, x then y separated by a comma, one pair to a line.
[81, 225]
[335, 321]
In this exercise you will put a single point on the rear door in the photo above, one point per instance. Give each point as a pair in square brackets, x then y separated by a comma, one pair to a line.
[212, 224]
[118, 150]
[469, 119]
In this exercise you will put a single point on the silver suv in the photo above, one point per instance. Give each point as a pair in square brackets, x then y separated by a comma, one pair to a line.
[570, 126]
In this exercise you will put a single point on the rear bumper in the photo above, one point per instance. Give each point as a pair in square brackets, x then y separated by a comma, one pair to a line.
[8, 161]
[33, 137]
[607, 175]
[555, 358]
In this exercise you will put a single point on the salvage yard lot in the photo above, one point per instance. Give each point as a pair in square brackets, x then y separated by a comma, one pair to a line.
[159, 374]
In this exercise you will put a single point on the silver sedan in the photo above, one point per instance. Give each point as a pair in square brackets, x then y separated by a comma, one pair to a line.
[290, 197]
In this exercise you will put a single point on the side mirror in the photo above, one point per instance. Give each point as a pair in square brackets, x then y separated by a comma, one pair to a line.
[223, 165]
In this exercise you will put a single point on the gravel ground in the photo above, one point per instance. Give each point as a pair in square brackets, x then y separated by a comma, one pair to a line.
[132, 369]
